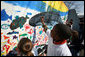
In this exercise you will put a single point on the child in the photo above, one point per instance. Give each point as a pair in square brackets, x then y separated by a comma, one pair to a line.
[24, 48]
[81, 30]
[75, 37]
[75, 46]
[57, 44]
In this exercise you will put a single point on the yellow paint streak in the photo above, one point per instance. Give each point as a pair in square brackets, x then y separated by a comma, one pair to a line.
[58, 5]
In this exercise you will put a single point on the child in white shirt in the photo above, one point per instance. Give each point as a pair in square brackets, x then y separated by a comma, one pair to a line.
[57, 44]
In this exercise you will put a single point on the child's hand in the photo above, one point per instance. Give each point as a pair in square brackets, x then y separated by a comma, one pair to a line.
[42, 19]
[44, 26]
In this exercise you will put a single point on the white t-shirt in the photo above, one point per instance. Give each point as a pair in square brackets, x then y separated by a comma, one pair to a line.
[34, 51]
[56, 50]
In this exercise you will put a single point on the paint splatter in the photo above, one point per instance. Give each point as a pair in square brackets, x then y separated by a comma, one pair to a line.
[22, 29]
[40, 32]
[31, 31]
[29, 13]
[30, 37]
[26, 14]
[5, 26]
[6, 37]
[5, 16]
[7, 48]
[15, 37]
[27, 26]
[4, 42]
[1, 35]
[11, 43]
[23, 35]
[18, 11]
[13, 32]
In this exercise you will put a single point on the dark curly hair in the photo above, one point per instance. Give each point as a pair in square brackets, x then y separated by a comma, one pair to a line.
[62, 31]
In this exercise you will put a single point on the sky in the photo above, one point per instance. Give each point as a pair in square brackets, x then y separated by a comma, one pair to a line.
[77, 5]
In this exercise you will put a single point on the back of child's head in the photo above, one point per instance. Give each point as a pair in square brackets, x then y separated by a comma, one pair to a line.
[24, 46]
[30, 54]
[62, 31]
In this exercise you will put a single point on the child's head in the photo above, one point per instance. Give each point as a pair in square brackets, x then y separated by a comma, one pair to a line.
[30, 54]
[60, 32]
[24, 46]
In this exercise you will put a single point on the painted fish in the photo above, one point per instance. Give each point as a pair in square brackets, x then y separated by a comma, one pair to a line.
[5, 16]
[50, 18]
[5, 26]
[19, 22]
[13, 32]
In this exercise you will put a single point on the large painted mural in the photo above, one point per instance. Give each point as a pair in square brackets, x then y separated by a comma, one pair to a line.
[15, 16]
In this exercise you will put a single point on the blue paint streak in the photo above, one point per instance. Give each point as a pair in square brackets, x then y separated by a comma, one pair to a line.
[18, 11]
[35, 5]
[13, 32]
[29, 13]
[5, 16]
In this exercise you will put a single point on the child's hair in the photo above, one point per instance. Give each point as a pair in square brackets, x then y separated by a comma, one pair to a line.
[74, 35]
[25, 46]
[62, 31]
[30, 54]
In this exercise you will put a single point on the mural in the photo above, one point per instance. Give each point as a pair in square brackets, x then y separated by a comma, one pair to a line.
[15, 16]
